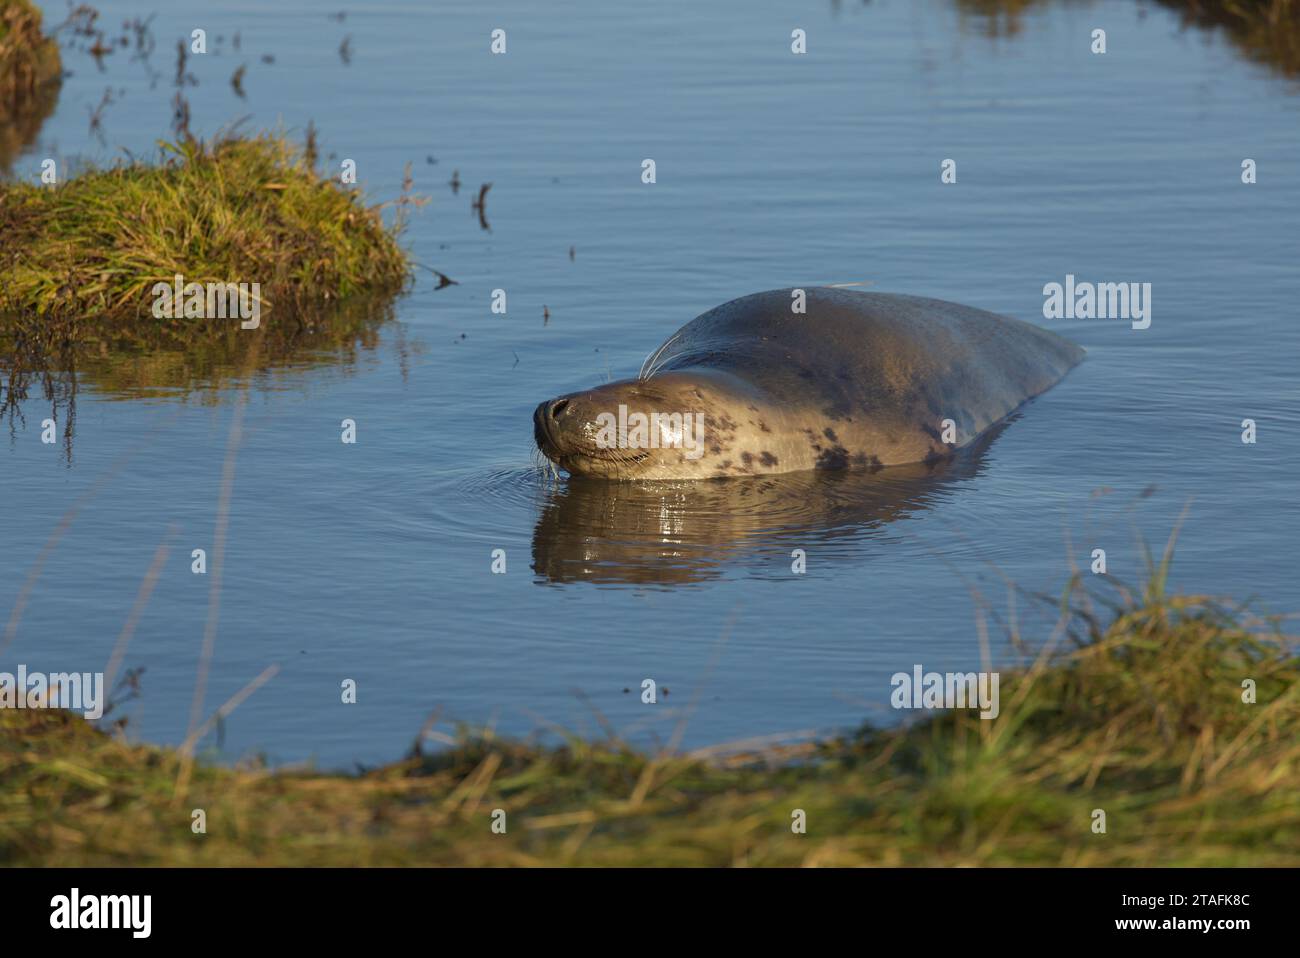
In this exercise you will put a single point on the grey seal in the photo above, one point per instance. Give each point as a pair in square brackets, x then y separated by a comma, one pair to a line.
[855, 380]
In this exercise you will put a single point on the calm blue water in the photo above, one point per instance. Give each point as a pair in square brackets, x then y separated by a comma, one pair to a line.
[372, 561]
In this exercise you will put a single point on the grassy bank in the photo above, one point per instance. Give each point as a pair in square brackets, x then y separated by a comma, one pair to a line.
[1266, 31]
[81, 259]
[1143, 719]
[242, 210]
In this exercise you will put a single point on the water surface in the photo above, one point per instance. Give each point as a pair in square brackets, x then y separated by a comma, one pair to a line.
[373, 561]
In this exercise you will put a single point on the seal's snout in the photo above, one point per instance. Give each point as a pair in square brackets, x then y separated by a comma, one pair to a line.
[540, 415]
[547, 419]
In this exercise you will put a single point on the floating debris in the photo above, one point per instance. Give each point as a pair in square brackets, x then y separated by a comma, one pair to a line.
[443, 279]
[480, 205]
[97, 113]
[181, 116]
[183, 77]
[100, 49]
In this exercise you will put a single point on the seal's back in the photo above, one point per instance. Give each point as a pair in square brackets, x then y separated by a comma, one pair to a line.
[891, 357]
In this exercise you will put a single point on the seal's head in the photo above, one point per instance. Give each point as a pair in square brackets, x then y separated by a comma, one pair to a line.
[675, 425]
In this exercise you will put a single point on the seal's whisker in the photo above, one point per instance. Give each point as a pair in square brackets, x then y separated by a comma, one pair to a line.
[648, 368]
[544, 466]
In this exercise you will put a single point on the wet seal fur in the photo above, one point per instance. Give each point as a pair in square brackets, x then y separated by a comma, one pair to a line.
[859, 380]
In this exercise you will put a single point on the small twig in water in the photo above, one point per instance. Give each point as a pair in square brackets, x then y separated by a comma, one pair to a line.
[480, 205]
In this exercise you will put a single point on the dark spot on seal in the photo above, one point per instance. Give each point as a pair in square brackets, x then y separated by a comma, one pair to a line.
[726, 463]
[931, 432]
[716, 450]
[721, 427]
[747, 458]
[768, 459]
[763, 426]
[837, 458]
[829, 433]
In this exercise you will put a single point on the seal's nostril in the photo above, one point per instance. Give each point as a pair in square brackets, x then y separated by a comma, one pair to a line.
[558, 407]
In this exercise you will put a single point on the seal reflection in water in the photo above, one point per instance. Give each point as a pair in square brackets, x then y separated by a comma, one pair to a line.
[674, 533]
[755, 387]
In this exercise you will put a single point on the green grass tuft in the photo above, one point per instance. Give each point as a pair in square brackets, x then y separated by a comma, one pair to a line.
[241, 210]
